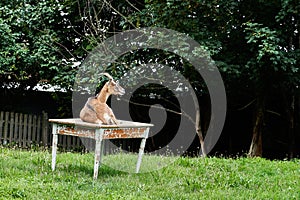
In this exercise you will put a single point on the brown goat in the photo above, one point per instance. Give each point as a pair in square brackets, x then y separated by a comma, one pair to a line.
[96, 110]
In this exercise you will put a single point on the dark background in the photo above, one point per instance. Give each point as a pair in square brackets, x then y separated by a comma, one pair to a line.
[234, 141]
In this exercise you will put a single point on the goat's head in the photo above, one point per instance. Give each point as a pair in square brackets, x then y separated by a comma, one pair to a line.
[112, 86]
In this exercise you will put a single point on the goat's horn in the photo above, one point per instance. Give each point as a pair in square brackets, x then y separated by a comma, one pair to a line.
[108, 75]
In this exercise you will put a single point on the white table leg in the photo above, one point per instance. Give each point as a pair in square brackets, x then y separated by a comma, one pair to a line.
[98, 138]
[54, 145]
[141, 151]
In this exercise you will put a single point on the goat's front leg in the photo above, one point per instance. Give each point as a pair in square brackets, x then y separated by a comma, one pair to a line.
[115, 121]
[113, 117]
[109, 118]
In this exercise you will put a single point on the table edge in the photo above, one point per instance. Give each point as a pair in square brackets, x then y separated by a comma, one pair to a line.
[72, 122]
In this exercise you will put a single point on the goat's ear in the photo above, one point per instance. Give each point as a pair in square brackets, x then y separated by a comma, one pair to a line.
[112, 82]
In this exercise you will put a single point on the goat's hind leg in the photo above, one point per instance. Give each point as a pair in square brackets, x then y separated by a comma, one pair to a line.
[103, 116]
[87, 116]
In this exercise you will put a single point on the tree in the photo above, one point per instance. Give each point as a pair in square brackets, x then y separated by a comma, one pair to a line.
[255, 44]
[273, 65]
[28, 30]
[201, 21]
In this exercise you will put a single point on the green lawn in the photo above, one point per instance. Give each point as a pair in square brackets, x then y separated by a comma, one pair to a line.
[28, 175]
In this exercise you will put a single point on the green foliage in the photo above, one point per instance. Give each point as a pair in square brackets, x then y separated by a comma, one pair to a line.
[268, 45]
[28, 175]
[42, 40]
[255, 44]
[27, 54]
[200, 20]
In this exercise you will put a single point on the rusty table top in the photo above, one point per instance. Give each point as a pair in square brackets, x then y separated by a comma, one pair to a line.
[80, 123]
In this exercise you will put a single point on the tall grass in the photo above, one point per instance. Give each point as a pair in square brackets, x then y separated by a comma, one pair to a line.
[28, 175]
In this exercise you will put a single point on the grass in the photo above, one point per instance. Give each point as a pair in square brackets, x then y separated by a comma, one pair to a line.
[28, 175]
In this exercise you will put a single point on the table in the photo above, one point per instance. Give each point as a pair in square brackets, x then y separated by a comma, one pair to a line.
[99, 132]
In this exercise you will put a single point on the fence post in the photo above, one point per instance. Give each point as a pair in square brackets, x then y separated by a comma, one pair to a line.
[11, 127]
[45, 129]
[38, 135]
[24, 143]
[16, 128]
[29, 129]
[33, 137]
[1, 125]
[5, 127]
[21, 122]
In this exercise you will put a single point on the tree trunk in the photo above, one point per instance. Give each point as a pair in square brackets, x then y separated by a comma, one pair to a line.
[198, 126]
[291, 130]
[256, 143]
[199, 132]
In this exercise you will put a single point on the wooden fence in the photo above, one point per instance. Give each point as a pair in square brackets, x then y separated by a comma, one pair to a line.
[26, 130]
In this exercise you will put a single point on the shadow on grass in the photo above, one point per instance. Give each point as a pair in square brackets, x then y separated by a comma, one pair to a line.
[87, 170]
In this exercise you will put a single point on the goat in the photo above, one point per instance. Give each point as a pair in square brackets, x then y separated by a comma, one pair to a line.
[96, 110]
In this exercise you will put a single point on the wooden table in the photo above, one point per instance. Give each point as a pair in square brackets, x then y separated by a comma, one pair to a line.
[76, 127]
